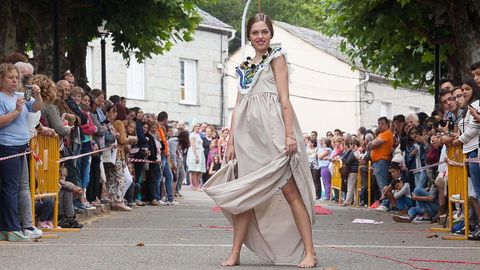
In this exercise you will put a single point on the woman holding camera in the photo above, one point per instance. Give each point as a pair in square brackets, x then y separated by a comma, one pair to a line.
[14, 138]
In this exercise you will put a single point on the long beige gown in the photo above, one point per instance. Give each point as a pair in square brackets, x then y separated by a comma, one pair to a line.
[261, 169]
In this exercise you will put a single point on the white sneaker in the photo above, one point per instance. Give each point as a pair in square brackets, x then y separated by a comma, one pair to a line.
[382, 208]
[173, 203]
[33, 234]
[162, 203]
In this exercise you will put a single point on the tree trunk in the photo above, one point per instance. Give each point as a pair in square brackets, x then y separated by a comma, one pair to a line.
[464, 20]
[77, 56]
[8, 29]
[43, 39]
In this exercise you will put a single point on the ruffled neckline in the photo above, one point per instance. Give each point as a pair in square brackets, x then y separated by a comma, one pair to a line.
[248, 77]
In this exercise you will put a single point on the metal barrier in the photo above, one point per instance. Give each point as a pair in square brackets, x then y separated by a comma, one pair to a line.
[44, 177]
[336, 181]
[359, 184]
[359, 187]
[457, 191]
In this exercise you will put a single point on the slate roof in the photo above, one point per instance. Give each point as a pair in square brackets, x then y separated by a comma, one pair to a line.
[329, 45]
[209, 20]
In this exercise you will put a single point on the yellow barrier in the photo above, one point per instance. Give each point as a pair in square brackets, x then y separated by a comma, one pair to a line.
[457, 191]
[44, 177]
[336, 181]
[359, 187]
[359, 184]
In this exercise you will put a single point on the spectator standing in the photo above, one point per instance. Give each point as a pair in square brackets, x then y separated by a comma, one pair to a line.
[381, 152]
[14, 137]
[323, 154]
[195, 158]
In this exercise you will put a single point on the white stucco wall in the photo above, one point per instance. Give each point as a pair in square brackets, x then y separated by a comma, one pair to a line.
[162, 77]
[312, 78]
[403, 101]
[308, 79]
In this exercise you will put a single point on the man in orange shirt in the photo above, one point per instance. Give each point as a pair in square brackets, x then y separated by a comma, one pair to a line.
[381, 153]
[162, 120]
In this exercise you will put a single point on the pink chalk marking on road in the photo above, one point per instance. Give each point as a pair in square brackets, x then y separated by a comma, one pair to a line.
[322, 211]
[444, 261]
[381, 257]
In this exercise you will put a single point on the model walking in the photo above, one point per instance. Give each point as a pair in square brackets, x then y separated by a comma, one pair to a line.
[270, 202]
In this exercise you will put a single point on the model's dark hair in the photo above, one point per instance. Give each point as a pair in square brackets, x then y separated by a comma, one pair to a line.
[259, 17]
[444, 92]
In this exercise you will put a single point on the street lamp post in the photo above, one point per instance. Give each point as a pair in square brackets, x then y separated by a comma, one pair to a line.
[244, 17]
[104, 69]
[103, 35]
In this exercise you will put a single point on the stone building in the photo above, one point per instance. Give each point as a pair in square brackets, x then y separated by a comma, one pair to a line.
[186, 81]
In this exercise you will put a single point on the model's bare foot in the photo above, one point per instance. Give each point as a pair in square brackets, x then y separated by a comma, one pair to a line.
[309, 261]
[232, 260]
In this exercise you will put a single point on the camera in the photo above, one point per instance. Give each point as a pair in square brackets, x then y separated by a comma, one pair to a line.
[28, 92]
[451, 124]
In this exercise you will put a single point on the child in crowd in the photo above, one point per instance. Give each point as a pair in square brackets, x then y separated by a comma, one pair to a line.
[215, 165]
[66, 213]
[397, 194]
[213, 152]
[426, 206]
[415, 155]
[44, 213]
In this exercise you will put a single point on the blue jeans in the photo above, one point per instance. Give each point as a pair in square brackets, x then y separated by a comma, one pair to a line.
[423, 206]
[84, 165]
[10, 173]
[138, 180]
[158, 182]
[474, 173]
[421, 179]
[44, 210]
[404, 202]
[167, 172]
[380, 170]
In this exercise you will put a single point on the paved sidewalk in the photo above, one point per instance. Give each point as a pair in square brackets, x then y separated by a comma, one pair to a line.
[192, 236]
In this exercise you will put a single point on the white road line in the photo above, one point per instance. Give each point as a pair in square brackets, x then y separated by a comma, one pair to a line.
[205, 227]
[7, 244]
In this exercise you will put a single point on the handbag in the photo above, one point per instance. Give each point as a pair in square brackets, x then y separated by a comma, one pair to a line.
[344, 171]
[109, 137]
[110, 155]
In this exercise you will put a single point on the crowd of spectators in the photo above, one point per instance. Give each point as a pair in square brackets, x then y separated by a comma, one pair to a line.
[146, 158]
[132, 159]
[400, 150]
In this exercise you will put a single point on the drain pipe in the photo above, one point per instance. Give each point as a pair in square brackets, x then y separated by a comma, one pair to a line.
[359, 108]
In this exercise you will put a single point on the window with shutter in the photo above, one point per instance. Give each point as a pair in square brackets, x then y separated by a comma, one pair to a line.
[89, 65]
[188, 93]
[136, 79]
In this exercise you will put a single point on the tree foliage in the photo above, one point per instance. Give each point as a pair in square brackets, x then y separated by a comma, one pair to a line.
[396, 38]
[144, 27]
[303, 13]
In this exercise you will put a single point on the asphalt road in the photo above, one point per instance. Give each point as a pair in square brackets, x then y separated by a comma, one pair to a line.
[193, 236]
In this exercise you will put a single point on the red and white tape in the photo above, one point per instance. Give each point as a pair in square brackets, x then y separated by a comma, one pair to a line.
[16, 155]
[136, 160]
[82, 155]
